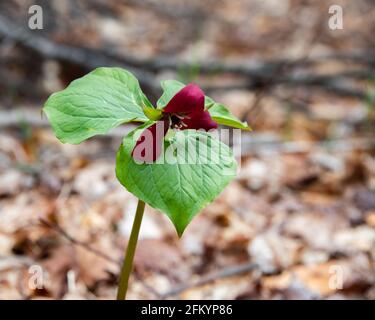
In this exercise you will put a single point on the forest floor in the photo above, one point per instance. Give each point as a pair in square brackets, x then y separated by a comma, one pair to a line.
[298, 222]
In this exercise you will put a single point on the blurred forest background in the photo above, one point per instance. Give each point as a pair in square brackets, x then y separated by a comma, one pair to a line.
[299, 218]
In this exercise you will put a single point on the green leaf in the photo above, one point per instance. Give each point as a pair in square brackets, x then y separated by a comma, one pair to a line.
[96, 103]
[183, 188]
[222, 115]
[152, 113]
[218, 112]
[170, 88]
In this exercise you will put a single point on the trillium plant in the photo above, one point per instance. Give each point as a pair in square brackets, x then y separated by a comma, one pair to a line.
[173, 161]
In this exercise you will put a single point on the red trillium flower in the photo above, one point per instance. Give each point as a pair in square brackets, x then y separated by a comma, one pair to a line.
[184, 111]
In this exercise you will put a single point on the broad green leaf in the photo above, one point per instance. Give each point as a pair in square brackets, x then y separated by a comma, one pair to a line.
[96, 103]
[170, 88]
[180, 189]
[222, 115]
[218, 112]
[152, 113]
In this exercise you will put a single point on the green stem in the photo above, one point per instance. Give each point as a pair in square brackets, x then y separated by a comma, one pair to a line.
[130, 250]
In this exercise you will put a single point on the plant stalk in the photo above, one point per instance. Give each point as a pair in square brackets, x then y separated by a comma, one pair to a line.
[130, 250]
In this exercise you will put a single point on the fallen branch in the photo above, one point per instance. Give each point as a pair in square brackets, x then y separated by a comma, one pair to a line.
[262, 144]
[325, 83]
[223, 273]
[256, 73]
[82, 244]
[88, 58]
[253, 143]
[95, 251]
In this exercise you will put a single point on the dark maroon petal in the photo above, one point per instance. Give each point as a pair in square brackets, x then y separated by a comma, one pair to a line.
[189, 99]
[149, 145]
[199, 120]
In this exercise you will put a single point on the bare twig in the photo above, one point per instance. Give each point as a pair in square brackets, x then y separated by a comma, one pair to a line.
[226, 272]
[82, 244]
[280, 71]
[176, 11]
[327, 83]
[258, 74]
[223, 273]
[251, 144]
[95, 251]
[146, 285]
[88, 58]
[258, 144]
